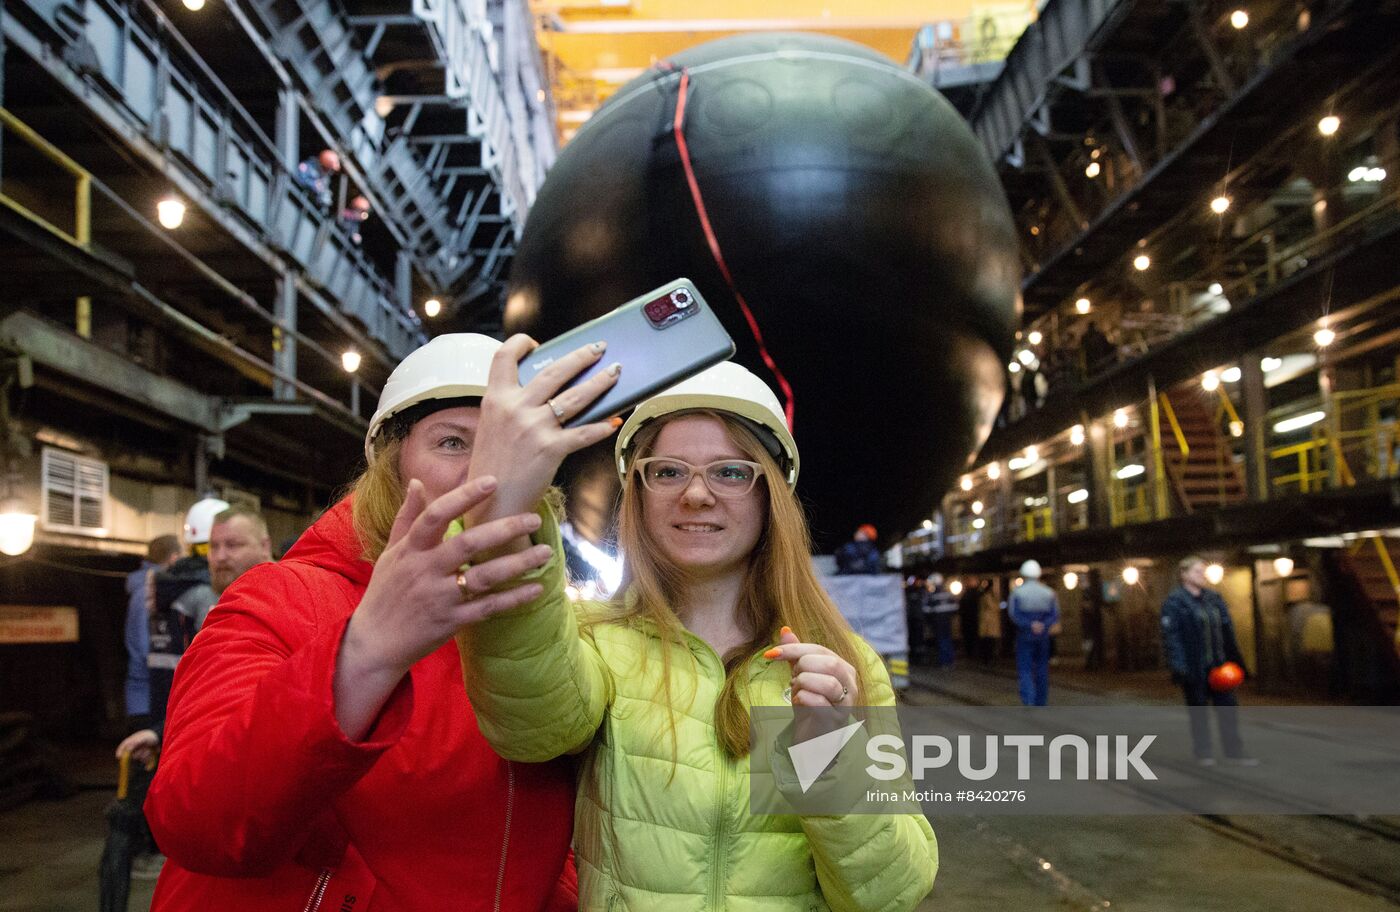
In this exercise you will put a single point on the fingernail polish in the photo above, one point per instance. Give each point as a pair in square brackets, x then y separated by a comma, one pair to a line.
[786, 629]
[598, 347]
[773, 653]
[615, 369]
[615, 422]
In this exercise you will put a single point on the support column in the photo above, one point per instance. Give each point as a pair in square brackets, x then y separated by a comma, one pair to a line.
[1254, 408]
[284, 342]
[403, 279]
[1099, 443]
[288, 129]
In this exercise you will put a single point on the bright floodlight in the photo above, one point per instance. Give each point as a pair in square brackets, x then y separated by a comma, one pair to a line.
[432, 307]
[350, 360]
[170, 212]
[1329, 125]
[1220, 204]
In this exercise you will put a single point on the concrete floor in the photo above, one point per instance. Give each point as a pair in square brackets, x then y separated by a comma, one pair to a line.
[49, 851]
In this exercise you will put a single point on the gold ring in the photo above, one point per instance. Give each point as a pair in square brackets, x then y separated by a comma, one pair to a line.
[558, 412]
[462, 586]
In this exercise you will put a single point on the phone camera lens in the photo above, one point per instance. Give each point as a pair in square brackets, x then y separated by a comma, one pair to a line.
[682, 298]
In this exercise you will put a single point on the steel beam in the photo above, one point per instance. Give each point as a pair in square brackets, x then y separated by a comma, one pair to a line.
[59, 350]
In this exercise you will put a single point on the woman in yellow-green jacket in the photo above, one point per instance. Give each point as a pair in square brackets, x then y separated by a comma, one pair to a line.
[653, 689]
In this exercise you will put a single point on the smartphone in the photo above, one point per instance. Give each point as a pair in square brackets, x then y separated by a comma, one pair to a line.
[660, 339]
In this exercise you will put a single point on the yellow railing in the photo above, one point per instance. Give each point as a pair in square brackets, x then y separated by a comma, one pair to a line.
[1353, 434]
[1129, 505]
[1174, 424]
[81, 235]
[1039, 523]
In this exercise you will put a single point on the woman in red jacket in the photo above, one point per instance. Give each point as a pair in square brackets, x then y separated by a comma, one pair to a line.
[320, 752]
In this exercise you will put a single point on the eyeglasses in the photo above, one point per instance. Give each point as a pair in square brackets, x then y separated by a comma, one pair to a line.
[724, 477]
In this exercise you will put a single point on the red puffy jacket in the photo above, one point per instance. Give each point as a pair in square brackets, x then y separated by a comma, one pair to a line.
[261, 803]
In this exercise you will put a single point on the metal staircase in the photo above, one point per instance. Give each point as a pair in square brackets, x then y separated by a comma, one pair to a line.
[1197, 455]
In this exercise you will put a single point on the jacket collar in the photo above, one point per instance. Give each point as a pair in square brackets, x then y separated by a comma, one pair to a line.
[331, 543]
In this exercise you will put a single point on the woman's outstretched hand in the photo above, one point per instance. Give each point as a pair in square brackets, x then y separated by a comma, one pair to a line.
[414, 602]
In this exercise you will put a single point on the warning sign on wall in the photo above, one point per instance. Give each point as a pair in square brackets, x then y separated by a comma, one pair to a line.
[38, 624]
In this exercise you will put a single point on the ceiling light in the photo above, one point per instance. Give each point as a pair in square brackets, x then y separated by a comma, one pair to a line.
[1092, 170]
[1082, 305]
[1375, 175]
[432, 307]
[1210, 381]
[350, 360]
[1071, 580]
[1270, 364]
[928, 524]
[1298, 422]
[1131, 470]
[193, 6]
[1035, 338]
[1214, 574]
[977, 508]
[966, 483]
[1216, 288]
[979, 523]
[1014, 367]
[1283, 566]
[1076, 435]
[1120, 418]
[1220, 204]
[1025, 356]
[1329, 125]
[1131, 575]
[1142, 262]
[1239, 19]
[955, 587]
[1032, 454]
[994, 470]
[170, 212]
[1078, 495]
[1231, 375]
[1324, 337]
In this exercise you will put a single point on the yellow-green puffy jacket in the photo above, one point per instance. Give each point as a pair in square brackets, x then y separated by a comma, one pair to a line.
[653, 834]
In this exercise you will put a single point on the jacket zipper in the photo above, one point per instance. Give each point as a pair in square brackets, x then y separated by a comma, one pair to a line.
[717, 878]
[313, 902]
[505, 840]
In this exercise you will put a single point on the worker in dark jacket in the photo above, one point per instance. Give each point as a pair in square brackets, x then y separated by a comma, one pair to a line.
[860, 554]
[1197, 636]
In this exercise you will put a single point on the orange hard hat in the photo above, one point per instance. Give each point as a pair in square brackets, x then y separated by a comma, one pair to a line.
[869, 531]
[1226, 677]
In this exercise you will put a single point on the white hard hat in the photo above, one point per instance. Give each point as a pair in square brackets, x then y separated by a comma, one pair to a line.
[199, 520]
[448, 367]
[1031, 569]
[725, 387]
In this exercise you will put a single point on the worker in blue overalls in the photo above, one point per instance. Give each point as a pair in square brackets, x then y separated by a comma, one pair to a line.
[1034, 610]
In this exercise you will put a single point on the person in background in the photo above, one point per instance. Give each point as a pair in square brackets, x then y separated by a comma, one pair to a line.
[161, 552]
[316, 173]
[860, 554]
[178, 595]
[1099, 352]
[1198, 636]
[988, 622]
[238, 542]
[915, 610]
[353, 216]
[1035, 611]
[967, 616]
[942, 607]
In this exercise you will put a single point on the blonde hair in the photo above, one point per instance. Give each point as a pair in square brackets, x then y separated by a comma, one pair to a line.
[781, 588]
[378, 494]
